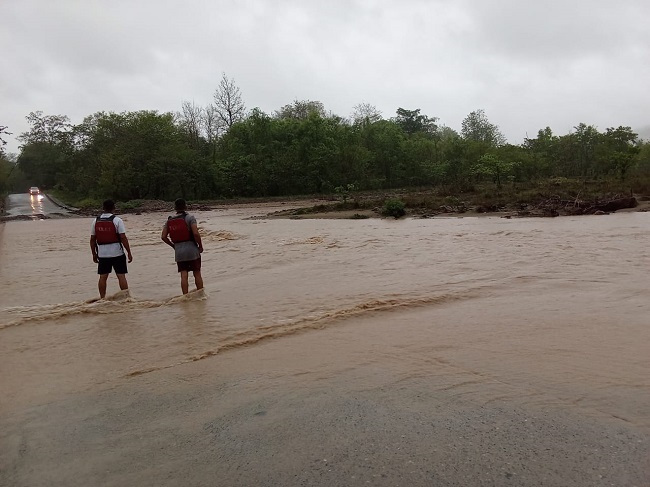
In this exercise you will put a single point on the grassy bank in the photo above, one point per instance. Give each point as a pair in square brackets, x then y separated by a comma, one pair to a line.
[549, 197]
[86, 204]
[559, 196]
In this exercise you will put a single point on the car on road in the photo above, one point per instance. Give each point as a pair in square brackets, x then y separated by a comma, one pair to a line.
[34, 190]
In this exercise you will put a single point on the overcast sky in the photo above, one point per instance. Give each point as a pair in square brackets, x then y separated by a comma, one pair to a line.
[528, 64]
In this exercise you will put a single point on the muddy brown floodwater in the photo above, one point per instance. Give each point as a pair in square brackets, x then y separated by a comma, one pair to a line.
[460, 351]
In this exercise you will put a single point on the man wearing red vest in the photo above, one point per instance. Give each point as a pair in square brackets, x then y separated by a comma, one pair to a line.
[182, 234]
[107, 243]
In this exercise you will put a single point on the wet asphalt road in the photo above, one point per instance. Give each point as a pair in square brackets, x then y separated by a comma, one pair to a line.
[25, 204]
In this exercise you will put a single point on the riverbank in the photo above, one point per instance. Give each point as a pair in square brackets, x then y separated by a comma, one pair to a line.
[548, 199]
[347, 211]
[415, 206]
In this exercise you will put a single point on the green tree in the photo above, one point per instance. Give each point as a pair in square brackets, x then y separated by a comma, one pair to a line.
[48, 129]
[5, 170]
[490, 165]
[641, 167]
[413, 122]
[544, 152]
[586, 138]
[520, 163]
[477, 128]
[245, 158]
[447, 133]
[46, 148]
[365, 113]
[3, 142]
[211, 129]
[191, 119]
[421, 161]
[135, 155]
[301, 110]
[621, 150]
[384, 142]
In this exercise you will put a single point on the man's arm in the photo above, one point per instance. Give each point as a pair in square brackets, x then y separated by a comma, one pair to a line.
[121, 231]
[93, 248]
[127, 247]
[165, 237]
[197, 237]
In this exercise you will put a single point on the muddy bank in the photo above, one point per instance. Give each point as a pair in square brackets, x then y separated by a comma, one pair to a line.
[418, 204]
[549, 208]
[38, 216]
[152, 206]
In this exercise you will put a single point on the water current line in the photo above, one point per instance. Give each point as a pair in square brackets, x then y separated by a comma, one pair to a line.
[120, 302]
[278, 330]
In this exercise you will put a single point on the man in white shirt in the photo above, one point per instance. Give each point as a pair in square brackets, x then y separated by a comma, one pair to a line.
[107, 243]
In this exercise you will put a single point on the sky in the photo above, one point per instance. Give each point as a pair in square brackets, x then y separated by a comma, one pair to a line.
[528, 64]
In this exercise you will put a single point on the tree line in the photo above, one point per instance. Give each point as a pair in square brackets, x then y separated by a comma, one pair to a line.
[224, 150]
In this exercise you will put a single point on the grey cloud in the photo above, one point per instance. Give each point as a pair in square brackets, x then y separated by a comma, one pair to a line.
[529, 64]
[557, 29]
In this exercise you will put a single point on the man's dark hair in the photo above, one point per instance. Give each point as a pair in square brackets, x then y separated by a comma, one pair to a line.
[180, 204]
[109, 206]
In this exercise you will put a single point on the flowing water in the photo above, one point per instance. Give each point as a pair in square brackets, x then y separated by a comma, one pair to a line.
[543, 312]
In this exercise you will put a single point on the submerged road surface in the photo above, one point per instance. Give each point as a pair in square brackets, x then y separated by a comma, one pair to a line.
[32, 205]
[447, 352]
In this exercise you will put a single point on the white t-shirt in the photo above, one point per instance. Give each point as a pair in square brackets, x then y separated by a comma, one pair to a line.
[112, 249]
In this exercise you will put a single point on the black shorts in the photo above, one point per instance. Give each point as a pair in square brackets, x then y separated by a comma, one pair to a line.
[107, 264]
[189, 265]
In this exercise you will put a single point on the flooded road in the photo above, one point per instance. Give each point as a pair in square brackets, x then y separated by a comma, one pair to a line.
[460, 351]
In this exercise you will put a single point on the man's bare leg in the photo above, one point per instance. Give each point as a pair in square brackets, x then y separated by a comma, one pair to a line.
[102, 285]
[198, 280]
[184, 284]
[121, 278]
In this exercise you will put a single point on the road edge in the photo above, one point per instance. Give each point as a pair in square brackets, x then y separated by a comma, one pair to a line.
[59, 203]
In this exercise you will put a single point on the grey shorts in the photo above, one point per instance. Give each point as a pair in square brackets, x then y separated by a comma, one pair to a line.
[189, 265]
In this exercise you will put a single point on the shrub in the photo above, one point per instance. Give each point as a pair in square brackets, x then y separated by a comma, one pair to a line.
[452, 200]
[130, 205]
[88, 204]
[394, 208]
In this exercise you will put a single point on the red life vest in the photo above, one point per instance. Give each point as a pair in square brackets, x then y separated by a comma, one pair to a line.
[105, 231]
[179, 230]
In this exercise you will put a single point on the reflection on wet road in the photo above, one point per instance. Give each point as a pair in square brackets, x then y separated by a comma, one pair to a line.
[31, 205]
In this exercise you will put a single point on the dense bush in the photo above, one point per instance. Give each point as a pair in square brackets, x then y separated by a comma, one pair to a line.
[130, 205]
[394, 207]
[88, 203]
